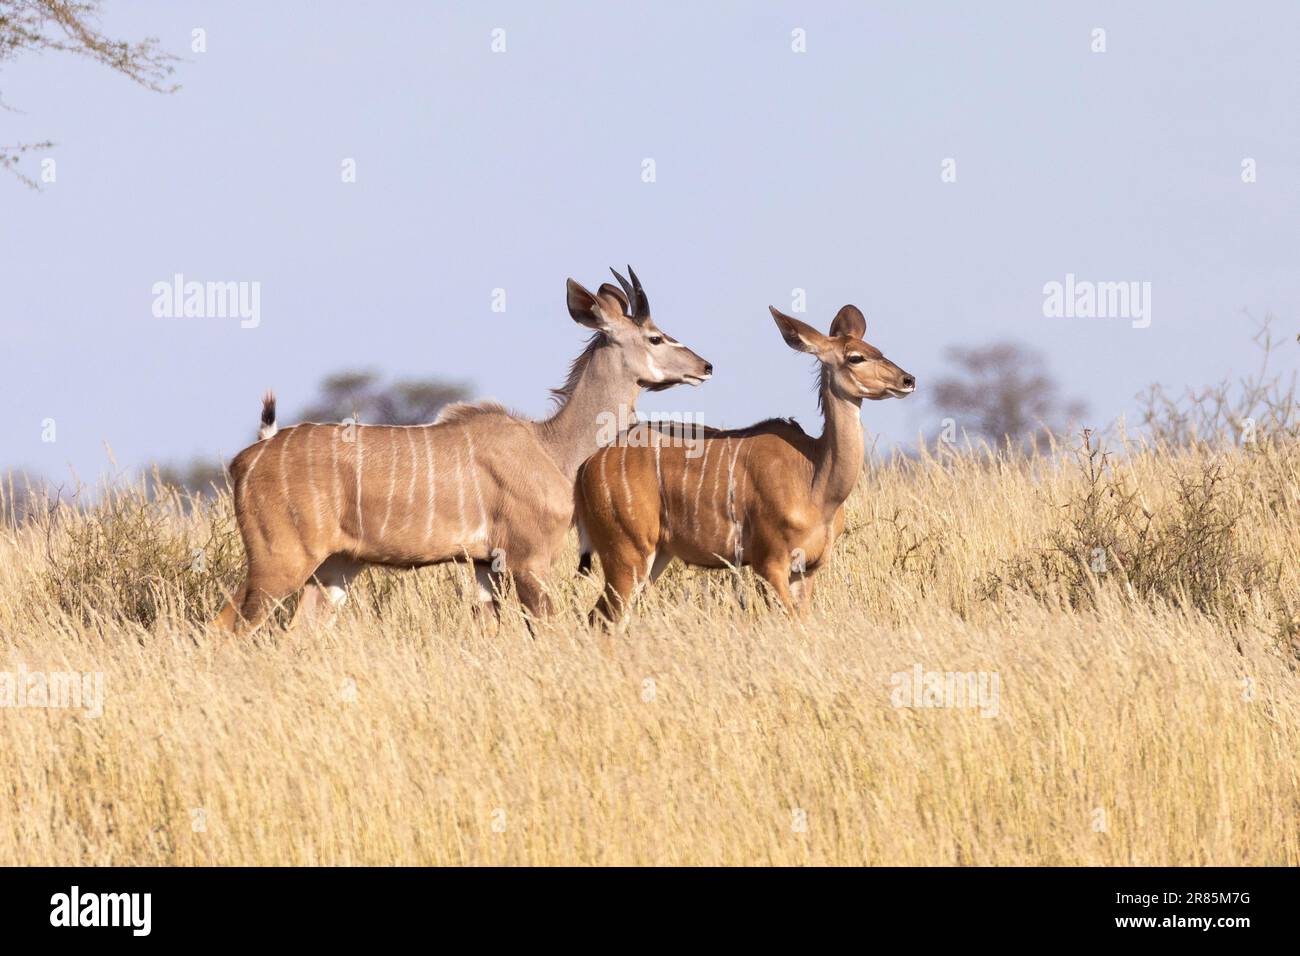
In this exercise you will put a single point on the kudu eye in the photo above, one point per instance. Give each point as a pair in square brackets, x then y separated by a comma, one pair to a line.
[857, 359]
[656, 340]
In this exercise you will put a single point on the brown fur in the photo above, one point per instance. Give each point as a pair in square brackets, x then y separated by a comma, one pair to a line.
[316, 503]
[768, 496]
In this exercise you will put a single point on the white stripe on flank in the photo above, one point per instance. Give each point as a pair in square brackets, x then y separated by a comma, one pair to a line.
[392, 489]
[284, 478]
[704, 470]
[361, 536]
[460, 502]
[243, 485]
[482, 532]
[736, 535]
[604, 482]
[317, 521]
[659, 483]
[334, 439]
[717, 478]
[622, 472]
[410, 489]
[433, 485]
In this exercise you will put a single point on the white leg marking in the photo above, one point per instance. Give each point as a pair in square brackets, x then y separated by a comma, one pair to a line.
[483, 579]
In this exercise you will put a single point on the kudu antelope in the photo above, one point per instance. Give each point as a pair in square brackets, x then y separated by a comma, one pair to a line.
[316, 503]
[769, 496]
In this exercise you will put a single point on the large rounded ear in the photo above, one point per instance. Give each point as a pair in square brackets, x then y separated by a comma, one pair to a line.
[614, 295]
[800, 336]
[584, 307]
[851, 322]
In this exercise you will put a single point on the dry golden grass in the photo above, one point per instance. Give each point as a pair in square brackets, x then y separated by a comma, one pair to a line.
[1138, 723]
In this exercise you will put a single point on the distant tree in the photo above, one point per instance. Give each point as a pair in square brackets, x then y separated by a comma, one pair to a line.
[23, 496]
[201, 477]
[361, 393]
[68, 26]
[1002, 390]
[342, 395]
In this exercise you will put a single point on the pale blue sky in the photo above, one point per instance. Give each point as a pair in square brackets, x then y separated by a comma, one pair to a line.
[775, 170]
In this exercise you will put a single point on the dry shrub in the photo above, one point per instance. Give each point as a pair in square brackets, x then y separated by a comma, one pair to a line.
[138, 550]
[1193, 548]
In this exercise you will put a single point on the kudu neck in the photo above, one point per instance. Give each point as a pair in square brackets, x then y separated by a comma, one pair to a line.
[840, 449]
[603, 393]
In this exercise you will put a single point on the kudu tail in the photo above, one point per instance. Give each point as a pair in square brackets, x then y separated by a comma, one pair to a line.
[268, 428]
[584, 542]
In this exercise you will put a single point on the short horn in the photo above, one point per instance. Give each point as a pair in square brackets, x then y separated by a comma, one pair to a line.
[640, 305]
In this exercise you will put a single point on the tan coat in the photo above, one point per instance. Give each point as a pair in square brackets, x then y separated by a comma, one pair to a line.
[769, 496]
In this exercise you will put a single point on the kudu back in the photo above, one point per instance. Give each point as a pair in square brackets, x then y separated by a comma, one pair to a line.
[316, 503]
[769, 496]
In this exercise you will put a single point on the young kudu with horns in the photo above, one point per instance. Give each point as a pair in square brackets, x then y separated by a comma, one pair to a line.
[317, 503]
[768, 496]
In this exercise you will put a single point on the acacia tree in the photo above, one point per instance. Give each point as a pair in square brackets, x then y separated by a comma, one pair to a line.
[1002, 391]
[69, 26]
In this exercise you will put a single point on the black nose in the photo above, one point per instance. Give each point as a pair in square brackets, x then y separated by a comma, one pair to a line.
[909, 382]
[708, 368]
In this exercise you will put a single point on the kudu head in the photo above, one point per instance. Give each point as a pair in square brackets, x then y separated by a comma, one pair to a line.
[622, 316]
[852, 368]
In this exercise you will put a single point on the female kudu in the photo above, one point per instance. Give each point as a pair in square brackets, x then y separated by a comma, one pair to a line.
[768, 496]
[316, 503]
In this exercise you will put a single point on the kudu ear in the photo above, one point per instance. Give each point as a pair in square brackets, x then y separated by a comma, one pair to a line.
[851, 322]
[585, 308]
[615, 297]
[800, 336]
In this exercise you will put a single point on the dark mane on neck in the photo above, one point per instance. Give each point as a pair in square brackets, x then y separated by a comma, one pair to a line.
[821, 383]
[560, 396]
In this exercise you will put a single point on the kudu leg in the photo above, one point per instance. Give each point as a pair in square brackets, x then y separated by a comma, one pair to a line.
[776, 575]
[530, 586]
[488, 585]
[264, 589]
[326, 592]
[620, 582]
[227, 618]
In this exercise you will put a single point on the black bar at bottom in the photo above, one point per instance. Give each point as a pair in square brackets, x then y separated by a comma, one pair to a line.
[336, 906]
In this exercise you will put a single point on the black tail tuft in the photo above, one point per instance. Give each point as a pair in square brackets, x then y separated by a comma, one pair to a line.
[268, 428]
